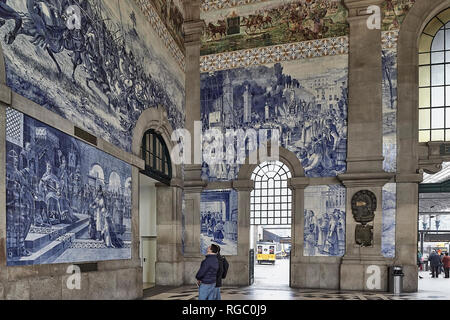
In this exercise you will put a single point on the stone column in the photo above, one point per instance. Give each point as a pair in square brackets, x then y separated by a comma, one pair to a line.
[365, 148]
[297, 269]
[169, 261]
[239, 265]
[193, 184]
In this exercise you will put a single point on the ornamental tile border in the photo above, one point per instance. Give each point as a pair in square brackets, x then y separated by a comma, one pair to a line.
[155, 21]
[274, 54]
[286, 52]
[389, 39]
[209, 5]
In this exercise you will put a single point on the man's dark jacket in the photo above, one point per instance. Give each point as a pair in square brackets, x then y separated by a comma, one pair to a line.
[208, 269]
[223, 269]
[435, 259]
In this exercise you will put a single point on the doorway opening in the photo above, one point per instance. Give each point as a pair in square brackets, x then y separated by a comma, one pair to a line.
[270, 225]
[434, 230]
[158, 169]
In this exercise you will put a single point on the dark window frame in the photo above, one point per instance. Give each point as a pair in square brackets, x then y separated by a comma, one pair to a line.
[158, 165]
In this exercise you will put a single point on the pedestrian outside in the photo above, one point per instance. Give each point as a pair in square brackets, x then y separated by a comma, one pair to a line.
[435, 262]
[446, 262]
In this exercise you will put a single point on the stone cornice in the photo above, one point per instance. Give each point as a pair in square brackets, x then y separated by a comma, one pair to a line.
[243, 185]
[358, 8]
[298, 183]
[5, 94]
[193, 31]
[356, 180]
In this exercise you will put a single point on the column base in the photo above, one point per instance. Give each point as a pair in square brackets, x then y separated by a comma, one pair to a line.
[365, 273]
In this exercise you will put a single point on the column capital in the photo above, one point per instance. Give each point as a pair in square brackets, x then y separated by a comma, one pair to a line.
[193, 30]
[298, 183]
[5, 94]
[358, 8]
[243, 185]
[358, 180]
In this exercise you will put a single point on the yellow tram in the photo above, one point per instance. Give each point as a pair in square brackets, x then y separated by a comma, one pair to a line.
[265, 252]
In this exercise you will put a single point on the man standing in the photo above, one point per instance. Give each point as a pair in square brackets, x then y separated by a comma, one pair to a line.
[206, 275]
[221, 274]
[435, 262]
[446, 262]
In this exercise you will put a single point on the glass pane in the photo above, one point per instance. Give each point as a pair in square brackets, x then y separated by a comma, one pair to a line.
[438, 97]
[424, 136]
[447, 96]
[424, 97]
[437, 119]
[437, 57]
[447, 135]
[437, 135]
[438, 42]
[433, 26]
[444, 15]
[437, 75]
[425, 43]
[424, 76]
[447, 74]
[424, 119]
[447, 39]
[447, 118]
[447, 56]
[424, 58]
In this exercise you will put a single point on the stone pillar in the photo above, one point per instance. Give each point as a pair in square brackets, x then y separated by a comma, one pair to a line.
[365, 149]
[297, 269]
[238, 274]
[365, 131]
[169, 258]
[193, 28]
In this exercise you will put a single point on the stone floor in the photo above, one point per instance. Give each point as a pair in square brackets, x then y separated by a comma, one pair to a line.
[272, 285]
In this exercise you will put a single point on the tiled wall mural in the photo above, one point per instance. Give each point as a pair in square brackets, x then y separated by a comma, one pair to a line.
[389, 87]
[261, 24]
[395, 12]
[305, 100]
[389, 203]
[100, 77]
[324, 228]
[66, 201]
[219, 220]
[171, 41]
[171, 13]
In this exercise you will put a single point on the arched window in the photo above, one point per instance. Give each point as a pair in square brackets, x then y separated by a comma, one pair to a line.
[156, 156]
[271, 200]
[434, 79]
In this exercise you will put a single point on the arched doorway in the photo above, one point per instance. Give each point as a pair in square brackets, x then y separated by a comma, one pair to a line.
[158, 169]
[270, 224]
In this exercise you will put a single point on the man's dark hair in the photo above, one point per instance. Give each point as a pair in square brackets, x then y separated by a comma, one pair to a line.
[446, 253]
[214, 248]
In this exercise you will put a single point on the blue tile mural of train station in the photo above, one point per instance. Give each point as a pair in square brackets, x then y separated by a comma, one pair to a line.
[219, 220]
[66, 201]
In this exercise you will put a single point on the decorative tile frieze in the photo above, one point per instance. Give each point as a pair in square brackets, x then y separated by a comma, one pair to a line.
[155, 21]
[208, 5]
[389, 39]
[274, 54]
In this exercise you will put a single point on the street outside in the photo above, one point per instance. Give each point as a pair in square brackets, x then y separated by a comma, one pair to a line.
[277, 275]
